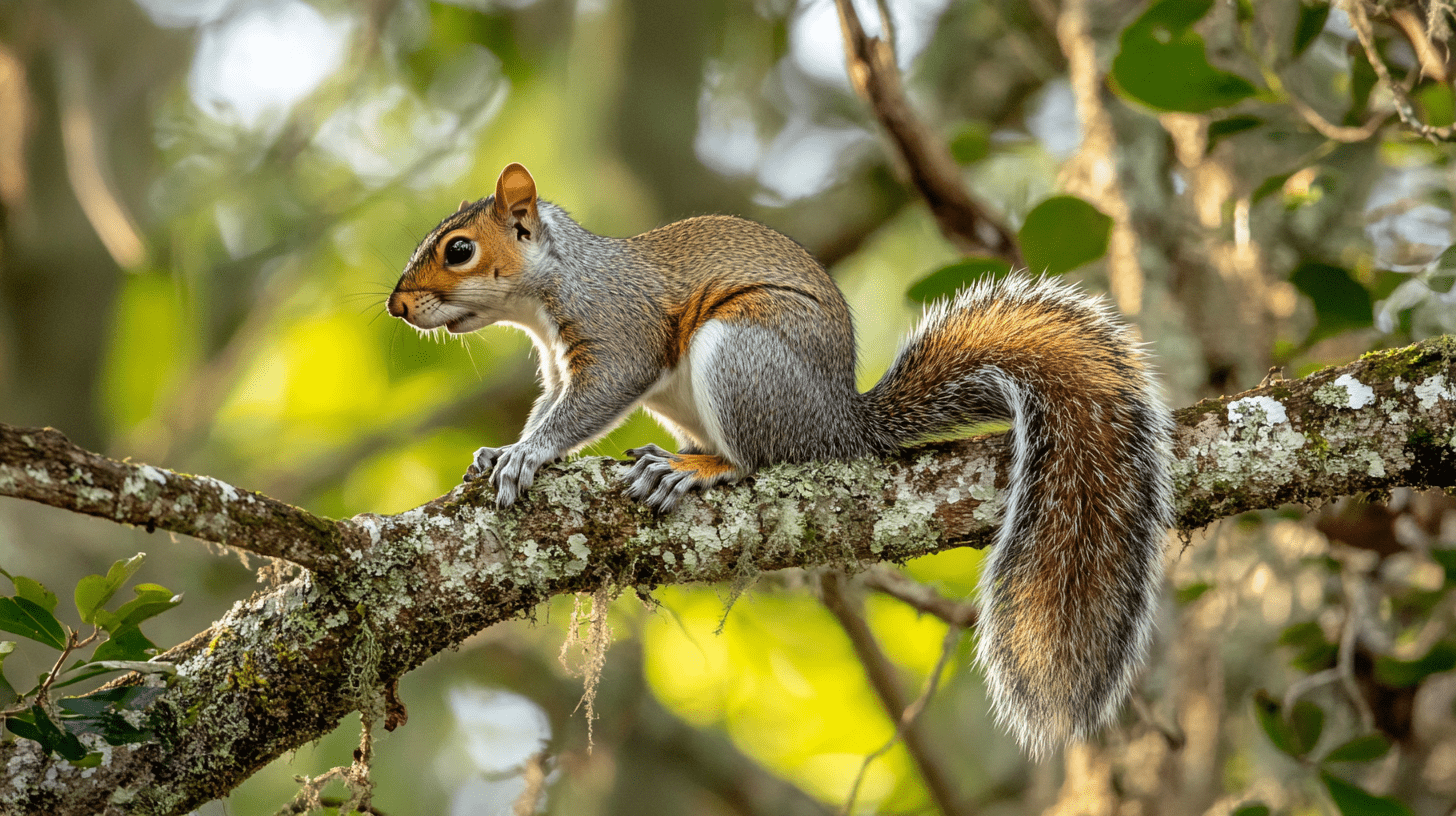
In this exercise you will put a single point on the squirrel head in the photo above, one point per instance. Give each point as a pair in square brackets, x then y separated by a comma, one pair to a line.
[464, 272]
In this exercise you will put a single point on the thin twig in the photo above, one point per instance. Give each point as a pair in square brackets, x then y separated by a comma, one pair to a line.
[71, 645]
[1360, 21]
[1414, 29]
[881, 674]
[1345, 661]
[947, 648]
[870, 62]
[924, 598]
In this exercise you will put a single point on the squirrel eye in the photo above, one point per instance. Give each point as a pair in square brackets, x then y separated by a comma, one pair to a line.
[459, 251]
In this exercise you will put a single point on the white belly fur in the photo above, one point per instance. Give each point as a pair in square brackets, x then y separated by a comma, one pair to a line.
[682, 399]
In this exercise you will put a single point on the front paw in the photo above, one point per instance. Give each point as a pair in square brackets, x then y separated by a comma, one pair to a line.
[484, 462]
[515, 470]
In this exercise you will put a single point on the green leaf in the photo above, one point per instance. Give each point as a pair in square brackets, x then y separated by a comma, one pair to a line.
[126, 643]
[1161, 61]
[948, 280]
[36, 725]
[32, 590]
[1063, 233]
[1295, 736]
[1405, 673]
[24, 617]
[1352, 801]
[1340, 303]
[91, 760]
[1446, 558]
[1252, 809]
[971, 143]
[1269, 186]
[1271, 719]
[1313, 651]
[1307, 721]
[151, 600]
[95, 591]
[1438, 107]
[1362, 82]
[1192, 592]
[1224, 128]
[8, 693]
[1360, 749]
[101, 713]
[1311, 22]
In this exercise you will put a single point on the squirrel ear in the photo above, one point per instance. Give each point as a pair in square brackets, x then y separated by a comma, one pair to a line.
[464, 202]
[515, 192]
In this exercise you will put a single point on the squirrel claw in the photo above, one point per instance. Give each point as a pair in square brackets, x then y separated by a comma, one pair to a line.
[655, 482]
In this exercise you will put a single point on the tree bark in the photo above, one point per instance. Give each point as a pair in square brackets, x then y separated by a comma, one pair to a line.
[381, 594]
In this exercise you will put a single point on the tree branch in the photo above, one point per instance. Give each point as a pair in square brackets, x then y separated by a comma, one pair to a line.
[286, 667]
[42, 465]
[876, 78]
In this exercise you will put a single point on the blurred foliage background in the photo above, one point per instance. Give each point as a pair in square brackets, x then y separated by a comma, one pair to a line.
[204, 202]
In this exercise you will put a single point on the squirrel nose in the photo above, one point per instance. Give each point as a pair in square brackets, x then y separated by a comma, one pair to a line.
[397, 307]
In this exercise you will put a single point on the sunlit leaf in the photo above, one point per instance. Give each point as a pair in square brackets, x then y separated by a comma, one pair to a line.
[95, 591]
[24, 617]
[1063, 233]
[33, 591]
[126, 643]
[8, 693]
[948, 280]
[151, 600]
[1161, 61]
[1353, 801]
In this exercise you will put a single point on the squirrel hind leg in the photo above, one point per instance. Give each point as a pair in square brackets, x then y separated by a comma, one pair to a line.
[660, 479]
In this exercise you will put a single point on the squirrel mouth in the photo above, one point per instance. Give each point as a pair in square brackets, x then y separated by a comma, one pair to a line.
[454, 326]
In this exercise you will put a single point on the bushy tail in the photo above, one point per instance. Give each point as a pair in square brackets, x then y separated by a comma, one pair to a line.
[1069, 590]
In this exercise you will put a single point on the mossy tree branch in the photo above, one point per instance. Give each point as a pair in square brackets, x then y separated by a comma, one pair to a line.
[287, 667]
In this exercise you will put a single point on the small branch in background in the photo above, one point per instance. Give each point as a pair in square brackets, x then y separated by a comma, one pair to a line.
[890, 581]
[1360, 21]
[1330, 130]
[1092, 173]
[881, 674]
[876, 78]
[86, 163]
[15, 113]
[1419, 36]
[535, 775]
[947, 648]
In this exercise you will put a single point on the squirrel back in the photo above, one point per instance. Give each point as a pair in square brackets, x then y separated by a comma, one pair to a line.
[1068, 592]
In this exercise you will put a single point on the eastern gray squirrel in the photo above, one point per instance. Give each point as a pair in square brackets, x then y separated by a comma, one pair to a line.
[739, 342]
